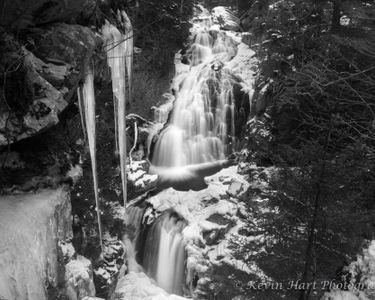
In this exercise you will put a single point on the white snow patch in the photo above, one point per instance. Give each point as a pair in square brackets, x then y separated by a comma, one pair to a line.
[137, 286]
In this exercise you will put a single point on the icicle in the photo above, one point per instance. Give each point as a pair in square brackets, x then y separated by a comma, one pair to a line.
[82, 112]
[87, 106]
[119, 48]
[128, 49]
[115, 109]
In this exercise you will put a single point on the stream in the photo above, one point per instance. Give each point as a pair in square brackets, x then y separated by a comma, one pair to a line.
[200, 129]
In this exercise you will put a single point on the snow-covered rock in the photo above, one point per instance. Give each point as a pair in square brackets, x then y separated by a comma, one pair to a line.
[343, 295]
[137, 286]
[137, 175]
[359, 281]
[79, 279]
[212, 217]
[225, 18]
[107, 271]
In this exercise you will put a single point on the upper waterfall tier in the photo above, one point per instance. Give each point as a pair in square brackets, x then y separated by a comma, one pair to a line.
[201, 125]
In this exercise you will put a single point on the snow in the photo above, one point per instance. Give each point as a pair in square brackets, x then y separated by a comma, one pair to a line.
[196, 207]
[137, 174]
[137, 286]
[343, 295]
[242, 65]
[67, 249]
[75, 172]
[78, 276]
[362, 278]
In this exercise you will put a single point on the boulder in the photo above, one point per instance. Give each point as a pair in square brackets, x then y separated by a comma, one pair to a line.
[50, 71]
[61, 43]
[20, 14]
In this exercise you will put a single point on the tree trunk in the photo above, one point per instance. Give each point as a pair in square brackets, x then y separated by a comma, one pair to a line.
[336, 16]
[308, 276]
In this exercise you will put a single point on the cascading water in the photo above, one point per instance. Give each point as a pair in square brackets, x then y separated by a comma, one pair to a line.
[202, 118]
[163, 255]
[199, 128]
[164, 259]
[134, 219]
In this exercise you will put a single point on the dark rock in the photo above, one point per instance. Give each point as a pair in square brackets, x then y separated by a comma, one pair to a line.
[214, 236]
[50, 75]
[69, 44]
[209, 200]
[18, 15]
[219, 219]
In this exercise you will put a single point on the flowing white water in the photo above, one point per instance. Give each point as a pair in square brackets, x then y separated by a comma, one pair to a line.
[119, 49]
[86, 99]
[202, 119]
[200, 128]
[134, 216]
[164, 258]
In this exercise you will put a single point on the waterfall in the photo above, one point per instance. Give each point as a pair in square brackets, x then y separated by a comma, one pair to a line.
[86, 100]
[134, 216]
[162, 249]
[119, 49]
[197, 126]
[164, 256]
[202, 119]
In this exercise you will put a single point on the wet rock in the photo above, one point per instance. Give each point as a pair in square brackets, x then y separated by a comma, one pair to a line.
[217, 66]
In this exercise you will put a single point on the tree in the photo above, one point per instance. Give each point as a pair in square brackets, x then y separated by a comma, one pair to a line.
[322, 128]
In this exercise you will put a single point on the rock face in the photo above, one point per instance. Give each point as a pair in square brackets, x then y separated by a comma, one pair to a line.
[49, 72]
[20, 14]
[31, 226]
[37, 260]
